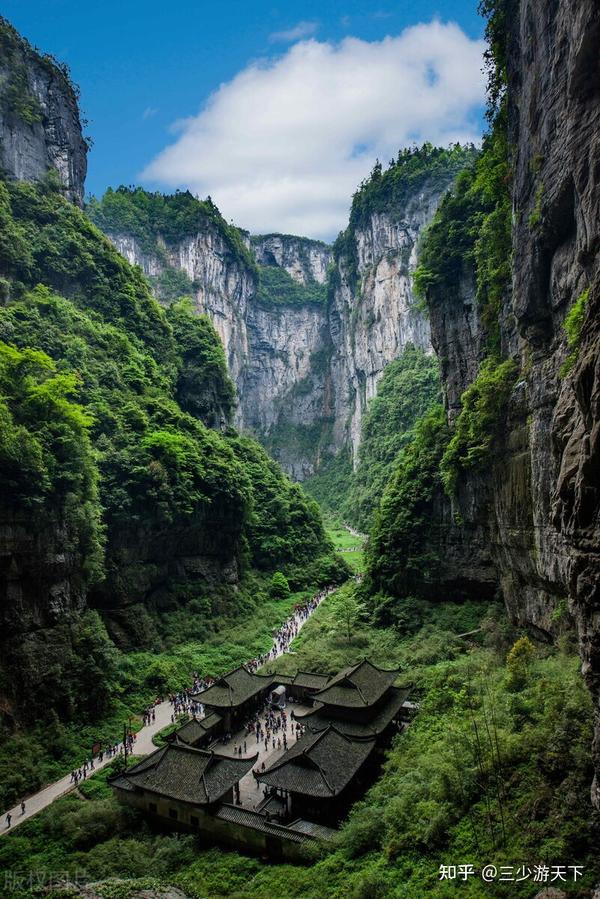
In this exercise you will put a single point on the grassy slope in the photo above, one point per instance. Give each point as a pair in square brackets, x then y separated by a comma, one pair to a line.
[343, 541]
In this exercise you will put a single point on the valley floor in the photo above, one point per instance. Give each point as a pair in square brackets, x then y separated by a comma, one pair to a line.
[143, 745]
[494, 769]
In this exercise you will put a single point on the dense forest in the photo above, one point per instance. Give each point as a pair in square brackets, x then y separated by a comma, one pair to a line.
[116, 450]
[173, 543]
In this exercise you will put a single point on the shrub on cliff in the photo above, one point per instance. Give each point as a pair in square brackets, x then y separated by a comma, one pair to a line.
[401, 555]
[478, 425]
[105, 399]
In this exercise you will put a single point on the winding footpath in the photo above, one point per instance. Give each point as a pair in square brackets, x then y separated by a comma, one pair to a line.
[143, 743]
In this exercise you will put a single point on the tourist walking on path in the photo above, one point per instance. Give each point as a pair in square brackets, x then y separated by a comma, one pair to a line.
[158, 717]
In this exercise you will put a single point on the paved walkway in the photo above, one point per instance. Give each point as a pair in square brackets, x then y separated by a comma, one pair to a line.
[251, 791]
[143, 746]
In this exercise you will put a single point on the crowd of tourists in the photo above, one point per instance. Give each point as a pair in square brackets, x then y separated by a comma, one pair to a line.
[289, 629]
[276, 730]
[187, 702]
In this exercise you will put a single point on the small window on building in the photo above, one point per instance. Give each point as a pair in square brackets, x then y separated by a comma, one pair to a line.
[194, 821]
[173, 813]
[152, 807]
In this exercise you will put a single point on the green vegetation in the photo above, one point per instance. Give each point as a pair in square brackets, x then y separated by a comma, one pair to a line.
[46, 456]
[115, 453]
[402, 556]
[536, 214]
[122, 684]
[279, 587]
[573, 326]
[330, 485]
[407, 390]
[157, 220]
[171, 284]
[115, 456]
[204, 388]
[350, 545]
[494, 766]
[16, 95]
[483, 405]
[471, 234]
[468, 241]
[386, 190]
[289, 439]
[277, 286]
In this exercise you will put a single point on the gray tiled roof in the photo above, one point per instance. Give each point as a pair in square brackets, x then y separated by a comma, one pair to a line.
[318, 719]
[319, 764]
[307, 679]
[234, 688]
[196, 729]
[197, 776]
[310, 679]
[298, 831]
[313, 829]
[358, 686]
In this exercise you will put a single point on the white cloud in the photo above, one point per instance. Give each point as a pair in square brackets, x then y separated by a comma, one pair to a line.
[297, 33]
[283, 145]
[149, 112]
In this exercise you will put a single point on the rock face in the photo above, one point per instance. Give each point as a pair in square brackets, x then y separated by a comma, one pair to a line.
[305, 371]
[42, 591]
[533, 518]
[220, 282]
[373, 313]
[305, 260]
[555, 116]
[269, 346]
[39, 117]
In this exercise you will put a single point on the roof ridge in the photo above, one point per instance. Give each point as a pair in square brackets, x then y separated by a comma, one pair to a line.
[205, 785]
[362, 695]
[194, 749]
[324, 776]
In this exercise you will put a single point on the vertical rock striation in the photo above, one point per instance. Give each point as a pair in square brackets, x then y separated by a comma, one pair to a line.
[40, 125]
[306, 367]
[373, 313]
[531, 520]
[554, 86]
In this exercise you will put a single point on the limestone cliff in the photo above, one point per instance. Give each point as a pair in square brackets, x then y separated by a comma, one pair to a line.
[530, 521]
[554, 85]
[304, 260]
[373, 312]
[270, 345]
[40, 125]
[220, 282]
[307, 329]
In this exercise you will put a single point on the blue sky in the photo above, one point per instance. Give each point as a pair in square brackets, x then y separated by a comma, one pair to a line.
[144, 66]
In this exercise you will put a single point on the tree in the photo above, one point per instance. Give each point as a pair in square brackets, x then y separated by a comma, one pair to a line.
[347, 611]
[518, 663]
[279, 588]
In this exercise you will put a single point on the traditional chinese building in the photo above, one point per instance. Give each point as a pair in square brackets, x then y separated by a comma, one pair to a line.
[356, 712]
[198, 732]
[181, 784]
[235, 696]
[309, 788]
[303, 686]
[322, 774]
[360, 701]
